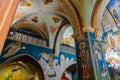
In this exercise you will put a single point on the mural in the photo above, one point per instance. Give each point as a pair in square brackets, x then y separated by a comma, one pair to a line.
[101, 67]
[111, 36]
[112, 53]
[52, 66]
[67, 38]
[12, 48]
[84, 61]
[18, 71]
[114, 8]
[106, 23]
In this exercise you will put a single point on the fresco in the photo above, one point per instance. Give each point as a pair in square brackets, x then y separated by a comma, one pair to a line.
[101, 68]
[84, 61]
[112, 54]
[25, 7]
[52, 66]
[67, 39]
[114, 8]
[111, 36]
[18, 71]
[106, 23]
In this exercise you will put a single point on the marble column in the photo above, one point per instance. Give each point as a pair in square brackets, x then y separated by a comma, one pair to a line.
[7, 11]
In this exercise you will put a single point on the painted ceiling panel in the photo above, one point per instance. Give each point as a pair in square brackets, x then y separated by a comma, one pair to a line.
[46, 15]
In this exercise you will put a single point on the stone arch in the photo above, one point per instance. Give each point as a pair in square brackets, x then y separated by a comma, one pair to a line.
[24, 58]
[58, 38]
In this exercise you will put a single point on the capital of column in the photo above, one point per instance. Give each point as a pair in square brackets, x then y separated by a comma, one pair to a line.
[88, 29]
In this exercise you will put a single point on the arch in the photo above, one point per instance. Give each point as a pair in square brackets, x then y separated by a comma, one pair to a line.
[97, 14]
[73, 65]
[30, 26]
[58, 38]
[26, 59]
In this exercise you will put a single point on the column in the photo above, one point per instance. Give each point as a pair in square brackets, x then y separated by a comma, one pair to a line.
[7, 10]
[90, 58]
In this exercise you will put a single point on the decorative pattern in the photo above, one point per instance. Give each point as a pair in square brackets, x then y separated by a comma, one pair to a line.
[27, 39]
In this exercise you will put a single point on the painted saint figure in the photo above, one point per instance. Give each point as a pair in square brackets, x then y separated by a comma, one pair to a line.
[11, 49]
[100, 64]
[84, 61]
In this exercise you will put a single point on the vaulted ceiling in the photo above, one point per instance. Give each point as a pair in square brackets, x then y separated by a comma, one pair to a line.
[48, 17]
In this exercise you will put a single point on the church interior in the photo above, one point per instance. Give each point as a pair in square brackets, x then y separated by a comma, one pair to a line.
[60, 40]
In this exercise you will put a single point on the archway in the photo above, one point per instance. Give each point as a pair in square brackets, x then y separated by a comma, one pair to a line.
[21, 67]
[70, 73]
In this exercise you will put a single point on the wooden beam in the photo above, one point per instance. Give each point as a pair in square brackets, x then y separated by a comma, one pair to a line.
[7, 11]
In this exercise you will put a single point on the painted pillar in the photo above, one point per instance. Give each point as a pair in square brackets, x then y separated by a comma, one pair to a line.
[90, 58]
[7, 10]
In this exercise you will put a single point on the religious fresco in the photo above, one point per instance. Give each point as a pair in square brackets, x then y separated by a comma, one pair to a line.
[84, 61]
[114, 6]
[111, 33]
[52, 66]
[101, 67]
[67, 38]
[105, 22]
[112, 53]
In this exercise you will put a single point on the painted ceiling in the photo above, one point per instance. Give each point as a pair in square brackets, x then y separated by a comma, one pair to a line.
[43, 14]
[50, 15]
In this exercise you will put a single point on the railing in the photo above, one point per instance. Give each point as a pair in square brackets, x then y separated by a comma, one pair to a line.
[36, 41]
[28, 39]
[67, 48]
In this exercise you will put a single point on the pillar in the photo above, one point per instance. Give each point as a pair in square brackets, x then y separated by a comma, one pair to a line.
[7, 10]
[90, 58]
